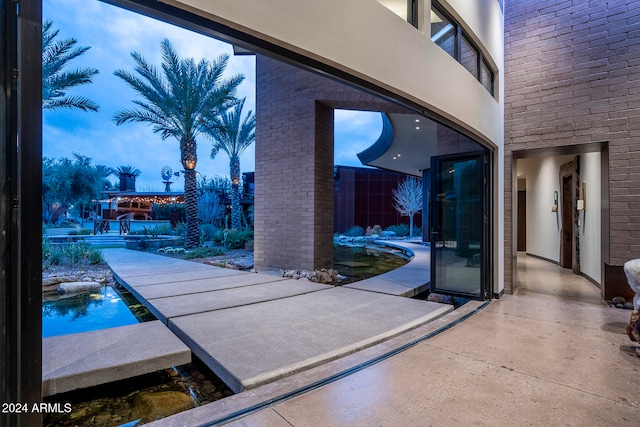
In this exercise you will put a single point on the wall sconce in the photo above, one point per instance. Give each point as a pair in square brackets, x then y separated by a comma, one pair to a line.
[554, 207]
[582, 204]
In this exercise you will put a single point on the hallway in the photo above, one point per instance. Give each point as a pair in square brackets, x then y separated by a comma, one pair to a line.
[550, 355]
[543, 279]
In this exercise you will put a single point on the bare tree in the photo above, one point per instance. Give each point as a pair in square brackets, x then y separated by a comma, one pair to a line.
[408, 199]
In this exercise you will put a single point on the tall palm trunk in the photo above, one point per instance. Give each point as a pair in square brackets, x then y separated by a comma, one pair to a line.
[235, 192]
[188, 154]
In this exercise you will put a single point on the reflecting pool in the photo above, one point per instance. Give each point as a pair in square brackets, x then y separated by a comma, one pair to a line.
[363, 262]
[107, 308]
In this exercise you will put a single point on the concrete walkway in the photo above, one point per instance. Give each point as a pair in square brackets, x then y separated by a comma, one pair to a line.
[546, 356]
[74, 361]
[406, 281]
[252, 329]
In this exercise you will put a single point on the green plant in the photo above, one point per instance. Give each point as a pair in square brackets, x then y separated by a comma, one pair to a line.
[375, 230]
[401, 230]
[46, 249]
[218, 237]
[80, 232]
[207, 232]
[355, 231]
[70, 254]
[203, 252]
[238, 239]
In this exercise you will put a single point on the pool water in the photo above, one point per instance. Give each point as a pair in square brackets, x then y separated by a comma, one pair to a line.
[107, 308]
[359, 263]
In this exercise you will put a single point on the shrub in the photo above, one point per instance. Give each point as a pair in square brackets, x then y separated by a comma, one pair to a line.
[203, 252]
[375, 230]
[70, 254]
[207, 232]
[180, 230]
[417, 231]
[355, 231]
[401, 230]
[80, 232]
[238, 239]
[218, 237]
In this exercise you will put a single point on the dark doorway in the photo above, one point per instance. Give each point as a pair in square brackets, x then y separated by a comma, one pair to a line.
[522, 220]
[566, 245]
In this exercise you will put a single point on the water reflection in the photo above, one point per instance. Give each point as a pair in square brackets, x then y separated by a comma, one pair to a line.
[89, 312]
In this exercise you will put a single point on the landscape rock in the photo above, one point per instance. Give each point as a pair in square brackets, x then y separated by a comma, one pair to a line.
[77, 287]
[325, 276]
[242, 263]
[618, 300]
[50, 284]
[151, 406]
[439, 298]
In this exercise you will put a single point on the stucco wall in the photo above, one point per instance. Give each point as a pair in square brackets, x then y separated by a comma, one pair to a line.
[365, 39]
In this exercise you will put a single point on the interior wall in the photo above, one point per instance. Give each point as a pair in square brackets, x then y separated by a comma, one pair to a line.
[591, 217]
[544, 226]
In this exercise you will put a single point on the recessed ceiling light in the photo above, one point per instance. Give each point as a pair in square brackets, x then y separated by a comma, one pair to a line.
[394, 158]
[417, 127]
[399, 155]
[417, 120]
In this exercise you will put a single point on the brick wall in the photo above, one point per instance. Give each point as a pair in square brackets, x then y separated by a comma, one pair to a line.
[572, 77]
[293, 215]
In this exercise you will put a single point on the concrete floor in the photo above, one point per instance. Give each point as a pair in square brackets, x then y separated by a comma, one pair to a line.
[552, 354]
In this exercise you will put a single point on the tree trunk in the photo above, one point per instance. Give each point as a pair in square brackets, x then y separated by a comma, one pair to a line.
[410, 225]
[191, 209]
[236, 210]
[188, 156]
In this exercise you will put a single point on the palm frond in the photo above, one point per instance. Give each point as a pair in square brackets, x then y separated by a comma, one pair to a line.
[77, 101]
[56, 54]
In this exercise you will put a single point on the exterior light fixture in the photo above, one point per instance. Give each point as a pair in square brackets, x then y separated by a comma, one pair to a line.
[189, 164]
[235, 180]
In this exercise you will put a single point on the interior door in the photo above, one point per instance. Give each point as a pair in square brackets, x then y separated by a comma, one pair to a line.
[460, 253]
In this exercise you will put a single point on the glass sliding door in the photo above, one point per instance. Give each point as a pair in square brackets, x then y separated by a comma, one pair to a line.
[459, 225]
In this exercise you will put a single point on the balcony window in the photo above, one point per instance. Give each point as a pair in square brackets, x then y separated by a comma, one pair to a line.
[469, 56]
[486, 76]
[447, 34]
[443, 32]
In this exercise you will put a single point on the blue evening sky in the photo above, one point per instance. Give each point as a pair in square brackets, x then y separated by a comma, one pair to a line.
[112, 33]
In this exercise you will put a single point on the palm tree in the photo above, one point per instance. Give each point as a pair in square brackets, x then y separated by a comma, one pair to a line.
[233, 135]
[55, 82]
[178, 102]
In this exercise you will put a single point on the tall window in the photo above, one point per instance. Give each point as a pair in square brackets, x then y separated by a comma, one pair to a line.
[447, 34]
[443, 32]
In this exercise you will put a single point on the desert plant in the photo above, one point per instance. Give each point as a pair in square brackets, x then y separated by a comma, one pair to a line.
[71, 254]
[80, 232]
[203, 252]
[207, 232]
[237, 239]
[401, 230]
[355, 231]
